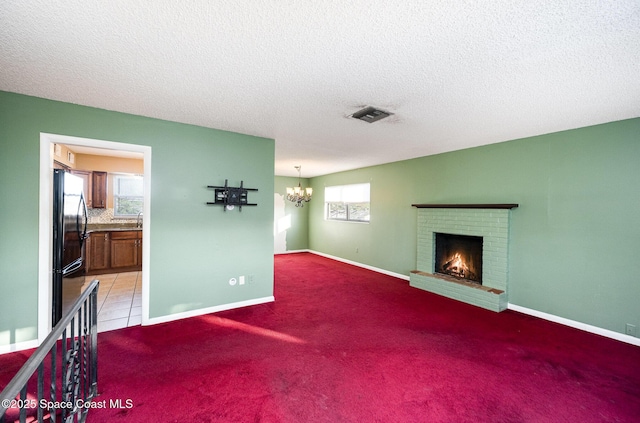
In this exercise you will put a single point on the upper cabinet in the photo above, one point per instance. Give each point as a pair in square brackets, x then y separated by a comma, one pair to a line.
[86, 185]
[99, 189]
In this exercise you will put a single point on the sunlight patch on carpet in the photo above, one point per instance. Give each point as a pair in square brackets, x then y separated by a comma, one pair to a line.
[255, 330]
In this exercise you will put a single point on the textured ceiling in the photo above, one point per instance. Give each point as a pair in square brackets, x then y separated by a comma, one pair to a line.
[455, 74]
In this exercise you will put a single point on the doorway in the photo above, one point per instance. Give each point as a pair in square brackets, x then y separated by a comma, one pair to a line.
[47, 155]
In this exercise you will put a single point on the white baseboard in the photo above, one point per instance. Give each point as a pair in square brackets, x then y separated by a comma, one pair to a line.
[578, 325]
[292, 252]
[202, 311]
[20, 346]
[364, 266]
[546, 316]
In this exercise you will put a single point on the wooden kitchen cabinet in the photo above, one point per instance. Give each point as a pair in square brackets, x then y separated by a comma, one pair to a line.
[99, 189]
[125, 249]
[86, 185]
[98, 252]
[114, 252]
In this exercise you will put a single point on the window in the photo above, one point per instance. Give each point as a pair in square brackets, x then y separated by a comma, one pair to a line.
[128, 195]
[347, 202]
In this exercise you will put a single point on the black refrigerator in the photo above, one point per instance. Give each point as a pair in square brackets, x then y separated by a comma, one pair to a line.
[69, 234]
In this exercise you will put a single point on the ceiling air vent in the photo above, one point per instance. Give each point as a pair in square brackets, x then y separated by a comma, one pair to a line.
[370, 114]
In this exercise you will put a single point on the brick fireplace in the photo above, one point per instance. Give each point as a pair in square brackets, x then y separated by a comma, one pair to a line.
[487, 222]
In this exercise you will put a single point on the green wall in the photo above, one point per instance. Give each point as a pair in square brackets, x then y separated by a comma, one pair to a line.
[575, 238]
[297, 236]
[195, 249]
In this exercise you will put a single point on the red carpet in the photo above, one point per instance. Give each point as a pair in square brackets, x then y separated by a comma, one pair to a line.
[343, 344]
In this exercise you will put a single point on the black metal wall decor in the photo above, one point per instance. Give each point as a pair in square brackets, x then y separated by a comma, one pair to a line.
[227, 196]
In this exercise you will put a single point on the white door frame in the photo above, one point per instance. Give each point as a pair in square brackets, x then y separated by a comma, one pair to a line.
[46, 221]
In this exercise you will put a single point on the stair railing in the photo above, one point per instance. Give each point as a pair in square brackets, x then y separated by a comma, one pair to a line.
[65, 383]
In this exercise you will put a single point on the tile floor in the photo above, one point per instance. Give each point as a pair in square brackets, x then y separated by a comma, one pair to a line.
[119, 300]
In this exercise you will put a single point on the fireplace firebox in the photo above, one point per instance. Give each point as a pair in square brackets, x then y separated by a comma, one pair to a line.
[459, 256]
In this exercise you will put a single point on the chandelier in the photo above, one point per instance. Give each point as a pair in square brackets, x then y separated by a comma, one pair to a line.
[298, 194]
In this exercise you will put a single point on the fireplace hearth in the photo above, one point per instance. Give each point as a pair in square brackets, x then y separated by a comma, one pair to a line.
[459, 256]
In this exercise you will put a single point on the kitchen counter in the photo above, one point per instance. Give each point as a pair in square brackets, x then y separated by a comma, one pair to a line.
[111, 227]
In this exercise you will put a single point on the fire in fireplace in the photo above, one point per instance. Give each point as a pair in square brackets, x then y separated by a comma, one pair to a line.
[459, 256]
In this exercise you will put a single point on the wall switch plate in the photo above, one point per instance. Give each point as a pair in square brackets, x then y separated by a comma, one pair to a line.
[241, 280]
[630, 329]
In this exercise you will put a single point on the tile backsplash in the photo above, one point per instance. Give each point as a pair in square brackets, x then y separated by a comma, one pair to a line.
[105, 216]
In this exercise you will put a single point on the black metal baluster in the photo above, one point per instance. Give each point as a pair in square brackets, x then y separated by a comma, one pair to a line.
[23, 398]
[85, 361]
[81, 356]
[94, 342]
[40, 390]
[63, 374]
[54, 371]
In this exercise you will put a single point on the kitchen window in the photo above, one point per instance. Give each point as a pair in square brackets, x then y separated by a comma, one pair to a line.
[128, 195]
[347, 203]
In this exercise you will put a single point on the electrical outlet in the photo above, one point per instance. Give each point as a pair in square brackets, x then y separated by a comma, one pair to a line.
[241, 280]
[250, 279]
[630, 329]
